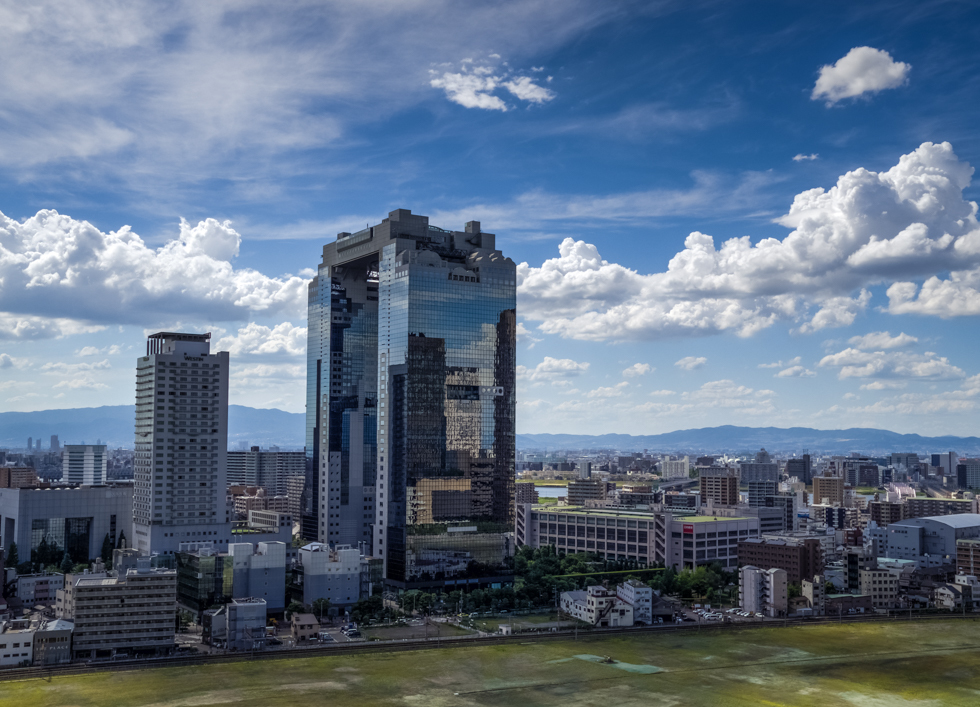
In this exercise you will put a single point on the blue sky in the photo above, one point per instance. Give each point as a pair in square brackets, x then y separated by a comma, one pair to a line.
[180, 165]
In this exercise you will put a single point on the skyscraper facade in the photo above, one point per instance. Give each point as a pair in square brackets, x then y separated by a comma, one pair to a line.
[84, 464]
[179, 466]
[410, 400]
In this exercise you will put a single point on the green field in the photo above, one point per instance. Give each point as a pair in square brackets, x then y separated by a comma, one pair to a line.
[922, 664]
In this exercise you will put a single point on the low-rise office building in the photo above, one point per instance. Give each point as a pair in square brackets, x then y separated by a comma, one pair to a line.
[640, 597]
[75, 519]
[245, 620]
[52, 642]
[597, 606]
[16, 643]
[646, 537]
[39, 588]
[881, 585]
[131, 614]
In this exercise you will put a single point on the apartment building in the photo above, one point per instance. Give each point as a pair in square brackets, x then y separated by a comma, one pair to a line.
[828, 490]
[131, 614]
[800, 558]
[881, 585]
[763, 591]
[721, 488]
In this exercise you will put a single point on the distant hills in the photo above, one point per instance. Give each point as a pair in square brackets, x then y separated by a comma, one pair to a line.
[113, 424]
[729, 438]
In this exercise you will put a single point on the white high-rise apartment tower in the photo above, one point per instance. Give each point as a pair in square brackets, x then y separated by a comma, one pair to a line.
[181, 444]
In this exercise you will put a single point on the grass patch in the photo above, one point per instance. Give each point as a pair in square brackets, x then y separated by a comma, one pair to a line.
[923, 664]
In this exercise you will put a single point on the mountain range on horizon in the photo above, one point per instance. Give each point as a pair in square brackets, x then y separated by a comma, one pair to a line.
[113, 424]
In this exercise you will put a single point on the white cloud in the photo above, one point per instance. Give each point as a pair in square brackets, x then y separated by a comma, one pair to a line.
[691, 363]
[609, 392]
[837, 312]
[60, 276]
[473, 87]
[72, 368]
[877, 340]
[6, 361]
[255, 339]
[637, 369]
[800, 157]
[663, 393]
[153, 91]
[782, 364]
[112, 350]
[524, 88]
[870, 228]
[524, 336]
[861, 71]
[552, 369]
[884, 385]
[728, 394]
[83, 383]
[854, 363]
[470, 90]
[795, 372]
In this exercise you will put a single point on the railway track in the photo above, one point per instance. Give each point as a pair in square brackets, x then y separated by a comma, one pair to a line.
[48, 672]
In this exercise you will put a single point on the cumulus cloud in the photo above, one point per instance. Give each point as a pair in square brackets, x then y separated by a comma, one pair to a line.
[524, 336]
[112, 350]
[795, 372]
[863, 70]
[855, 363]
[882, 340]
[691, 363]
[6, 361]
[474, 86]
[637, 369]
[71, 368]
[609, 392]
[82, 383]
[255, 339]
[717, 394]
[782, 364]
[870, 228]
[800, 157]
[60, 276]
[552, 369]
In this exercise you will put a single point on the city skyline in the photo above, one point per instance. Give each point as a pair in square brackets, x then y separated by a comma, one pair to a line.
[676, 266]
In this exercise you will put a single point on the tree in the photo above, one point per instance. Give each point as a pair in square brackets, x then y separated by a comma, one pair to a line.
[106, 553]
[294, 607]
[321, 607]
[794, 590]
[122, 539]
[66, 564]
[12, 559]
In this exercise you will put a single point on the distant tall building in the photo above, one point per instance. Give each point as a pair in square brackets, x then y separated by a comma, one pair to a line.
[801, 468]
[410, 400]
[830, 488]
[84, 464]
[55, 444]
[37, 445]
[269, 469]
[30, 444]
[181, 443]
[719, 485]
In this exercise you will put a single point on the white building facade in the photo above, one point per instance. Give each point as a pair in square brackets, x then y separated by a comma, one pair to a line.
[84, 464]
[763, 591]
[181, 444]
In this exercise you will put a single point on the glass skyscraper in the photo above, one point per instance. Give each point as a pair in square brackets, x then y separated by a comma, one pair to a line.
[410, 401]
